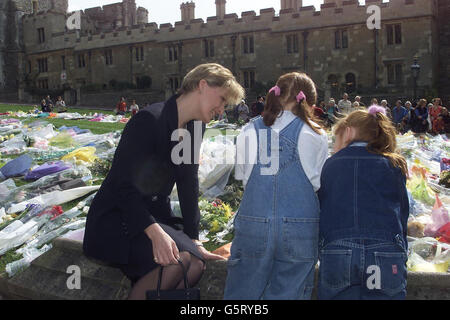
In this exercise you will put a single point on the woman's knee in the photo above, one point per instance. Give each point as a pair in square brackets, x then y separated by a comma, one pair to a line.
[197, 264]
[185, 258]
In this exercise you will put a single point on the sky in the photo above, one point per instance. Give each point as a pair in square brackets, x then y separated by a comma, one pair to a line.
[168, 11]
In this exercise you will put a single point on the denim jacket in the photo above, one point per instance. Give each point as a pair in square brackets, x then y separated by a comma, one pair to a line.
[362, 196]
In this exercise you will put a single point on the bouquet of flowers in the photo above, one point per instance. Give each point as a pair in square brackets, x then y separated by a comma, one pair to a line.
[215, 220]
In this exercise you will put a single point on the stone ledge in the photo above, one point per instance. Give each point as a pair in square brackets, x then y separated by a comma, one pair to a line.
[46, 278]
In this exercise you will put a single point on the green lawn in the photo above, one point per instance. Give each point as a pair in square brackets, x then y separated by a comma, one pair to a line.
[95, 127]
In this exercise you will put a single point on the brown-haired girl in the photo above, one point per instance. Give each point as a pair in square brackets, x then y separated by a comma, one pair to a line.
[274, 251]
[364, 212]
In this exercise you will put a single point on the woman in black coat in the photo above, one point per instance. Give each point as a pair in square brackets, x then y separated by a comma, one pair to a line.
[130, 222]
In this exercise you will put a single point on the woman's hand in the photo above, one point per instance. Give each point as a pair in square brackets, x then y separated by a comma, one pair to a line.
[206, 254]
[165, 251]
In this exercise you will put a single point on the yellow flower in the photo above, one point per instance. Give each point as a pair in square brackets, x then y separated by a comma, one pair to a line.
[214, 226]
[228, 211]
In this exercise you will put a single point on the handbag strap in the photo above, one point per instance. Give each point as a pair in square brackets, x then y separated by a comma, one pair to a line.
[186, 285]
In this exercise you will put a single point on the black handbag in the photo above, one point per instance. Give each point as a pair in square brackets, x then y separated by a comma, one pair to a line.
[176, 294]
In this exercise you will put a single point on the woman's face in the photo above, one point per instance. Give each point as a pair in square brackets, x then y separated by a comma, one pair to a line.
[212, 101]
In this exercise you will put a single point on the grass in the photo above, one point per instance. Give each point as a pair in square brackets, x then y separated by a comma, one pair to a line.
[95, 127]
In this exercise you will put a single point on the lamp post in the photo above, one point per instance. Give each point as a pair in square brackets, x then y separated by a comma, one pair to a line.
[415, 70]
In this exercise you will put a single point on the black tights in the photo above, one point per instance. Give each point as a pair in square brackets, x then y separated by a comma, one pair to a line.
[172, 277]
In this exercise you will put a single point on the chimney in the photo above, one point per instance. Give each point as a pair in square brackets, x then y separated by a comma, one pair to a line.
[187, 11]
[291, 4]
[35, 6]
[220, 8]
[337, 2]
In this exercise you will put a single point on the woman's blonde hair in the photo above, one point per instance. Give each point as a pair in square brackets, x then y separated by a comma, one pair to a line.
[378, 131]
[216, 76]
[290, 86]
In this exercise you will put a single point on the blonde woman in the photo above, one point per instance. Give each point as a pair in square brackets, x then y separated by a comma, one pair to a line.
[130, 222]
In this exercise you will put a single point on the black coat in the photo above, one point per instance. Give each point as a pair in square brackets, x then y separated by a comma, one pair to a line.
[135, 193]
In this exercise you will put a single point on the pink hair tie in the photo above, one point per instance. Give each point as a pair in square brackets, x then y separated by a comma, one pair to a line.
[300, 97]
[277, 90]
[374, 109]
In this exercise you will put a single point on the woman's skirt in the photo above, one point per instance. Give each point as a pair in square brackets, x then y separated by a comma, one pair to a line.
[141, 256]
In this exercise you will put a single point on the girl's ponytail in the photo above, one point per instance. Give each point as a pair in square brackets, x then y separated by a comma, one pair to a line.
[374, 127]
[385, 143]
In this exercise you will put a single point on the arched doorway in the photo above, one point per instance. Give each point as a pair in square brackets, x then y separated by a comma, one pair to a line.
[350, 83]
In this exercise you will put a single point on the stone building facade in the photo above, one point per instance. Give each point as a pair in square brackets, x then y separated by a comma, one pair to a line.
[333, 45]
[444, 48]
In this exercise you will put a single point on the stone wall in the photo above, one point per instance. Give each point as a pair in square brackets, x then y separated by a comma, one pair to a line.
[444, 50]
[47, 277]
[11, 44]
[315, 31]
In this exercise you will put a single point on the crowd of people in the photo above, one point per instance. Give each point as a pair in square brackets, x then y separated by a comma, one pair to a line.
[122, 107]
[420, 117]
[47, 105]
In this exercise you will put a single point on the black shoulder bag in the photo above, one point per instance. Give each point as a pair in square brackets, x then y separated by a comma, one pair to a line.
[176, 294]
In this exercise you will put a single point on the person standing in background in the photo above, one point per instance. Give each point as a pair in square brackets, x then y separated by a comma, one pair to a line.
[358, 99]
[60, 105]
[243, 111]
[121, 107]
[345, 105]
[134, 108]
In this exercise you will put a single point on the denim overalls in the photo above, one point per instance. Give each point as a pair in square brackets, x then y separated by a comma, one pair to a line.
[363, 226]
[275, 248]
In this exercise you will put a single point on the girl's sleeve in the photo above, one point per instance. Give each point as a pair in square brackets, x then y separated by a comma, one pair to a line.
[313, 151]
[246, 153]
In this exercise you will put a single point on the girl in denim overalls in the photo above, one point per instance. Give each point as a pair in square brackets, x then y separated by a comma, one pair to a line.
[364, 212]
[274, 251]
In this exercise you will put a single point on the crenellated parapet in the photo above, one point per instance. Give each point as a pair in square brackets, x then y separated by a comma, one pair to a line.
[332, 13]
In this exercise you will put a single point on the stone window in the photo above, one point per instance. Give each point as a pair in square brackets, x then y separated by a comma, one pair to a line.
[81, 61]
[41, 35]
[248, 44]
[143, 82]
[173, 53]
[108, 57]
[175, 83]
[42, 84]
[394, 73]
[394, 34]
[63, 62]
[209, 48]
[139, 53]
[292, 43]
[341, 39]
[42, 64]
[249, 79]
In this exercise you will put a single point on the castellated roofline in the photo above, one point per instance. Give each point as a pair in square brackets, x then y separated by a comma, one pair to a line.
[324, 8]
[307, 18]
